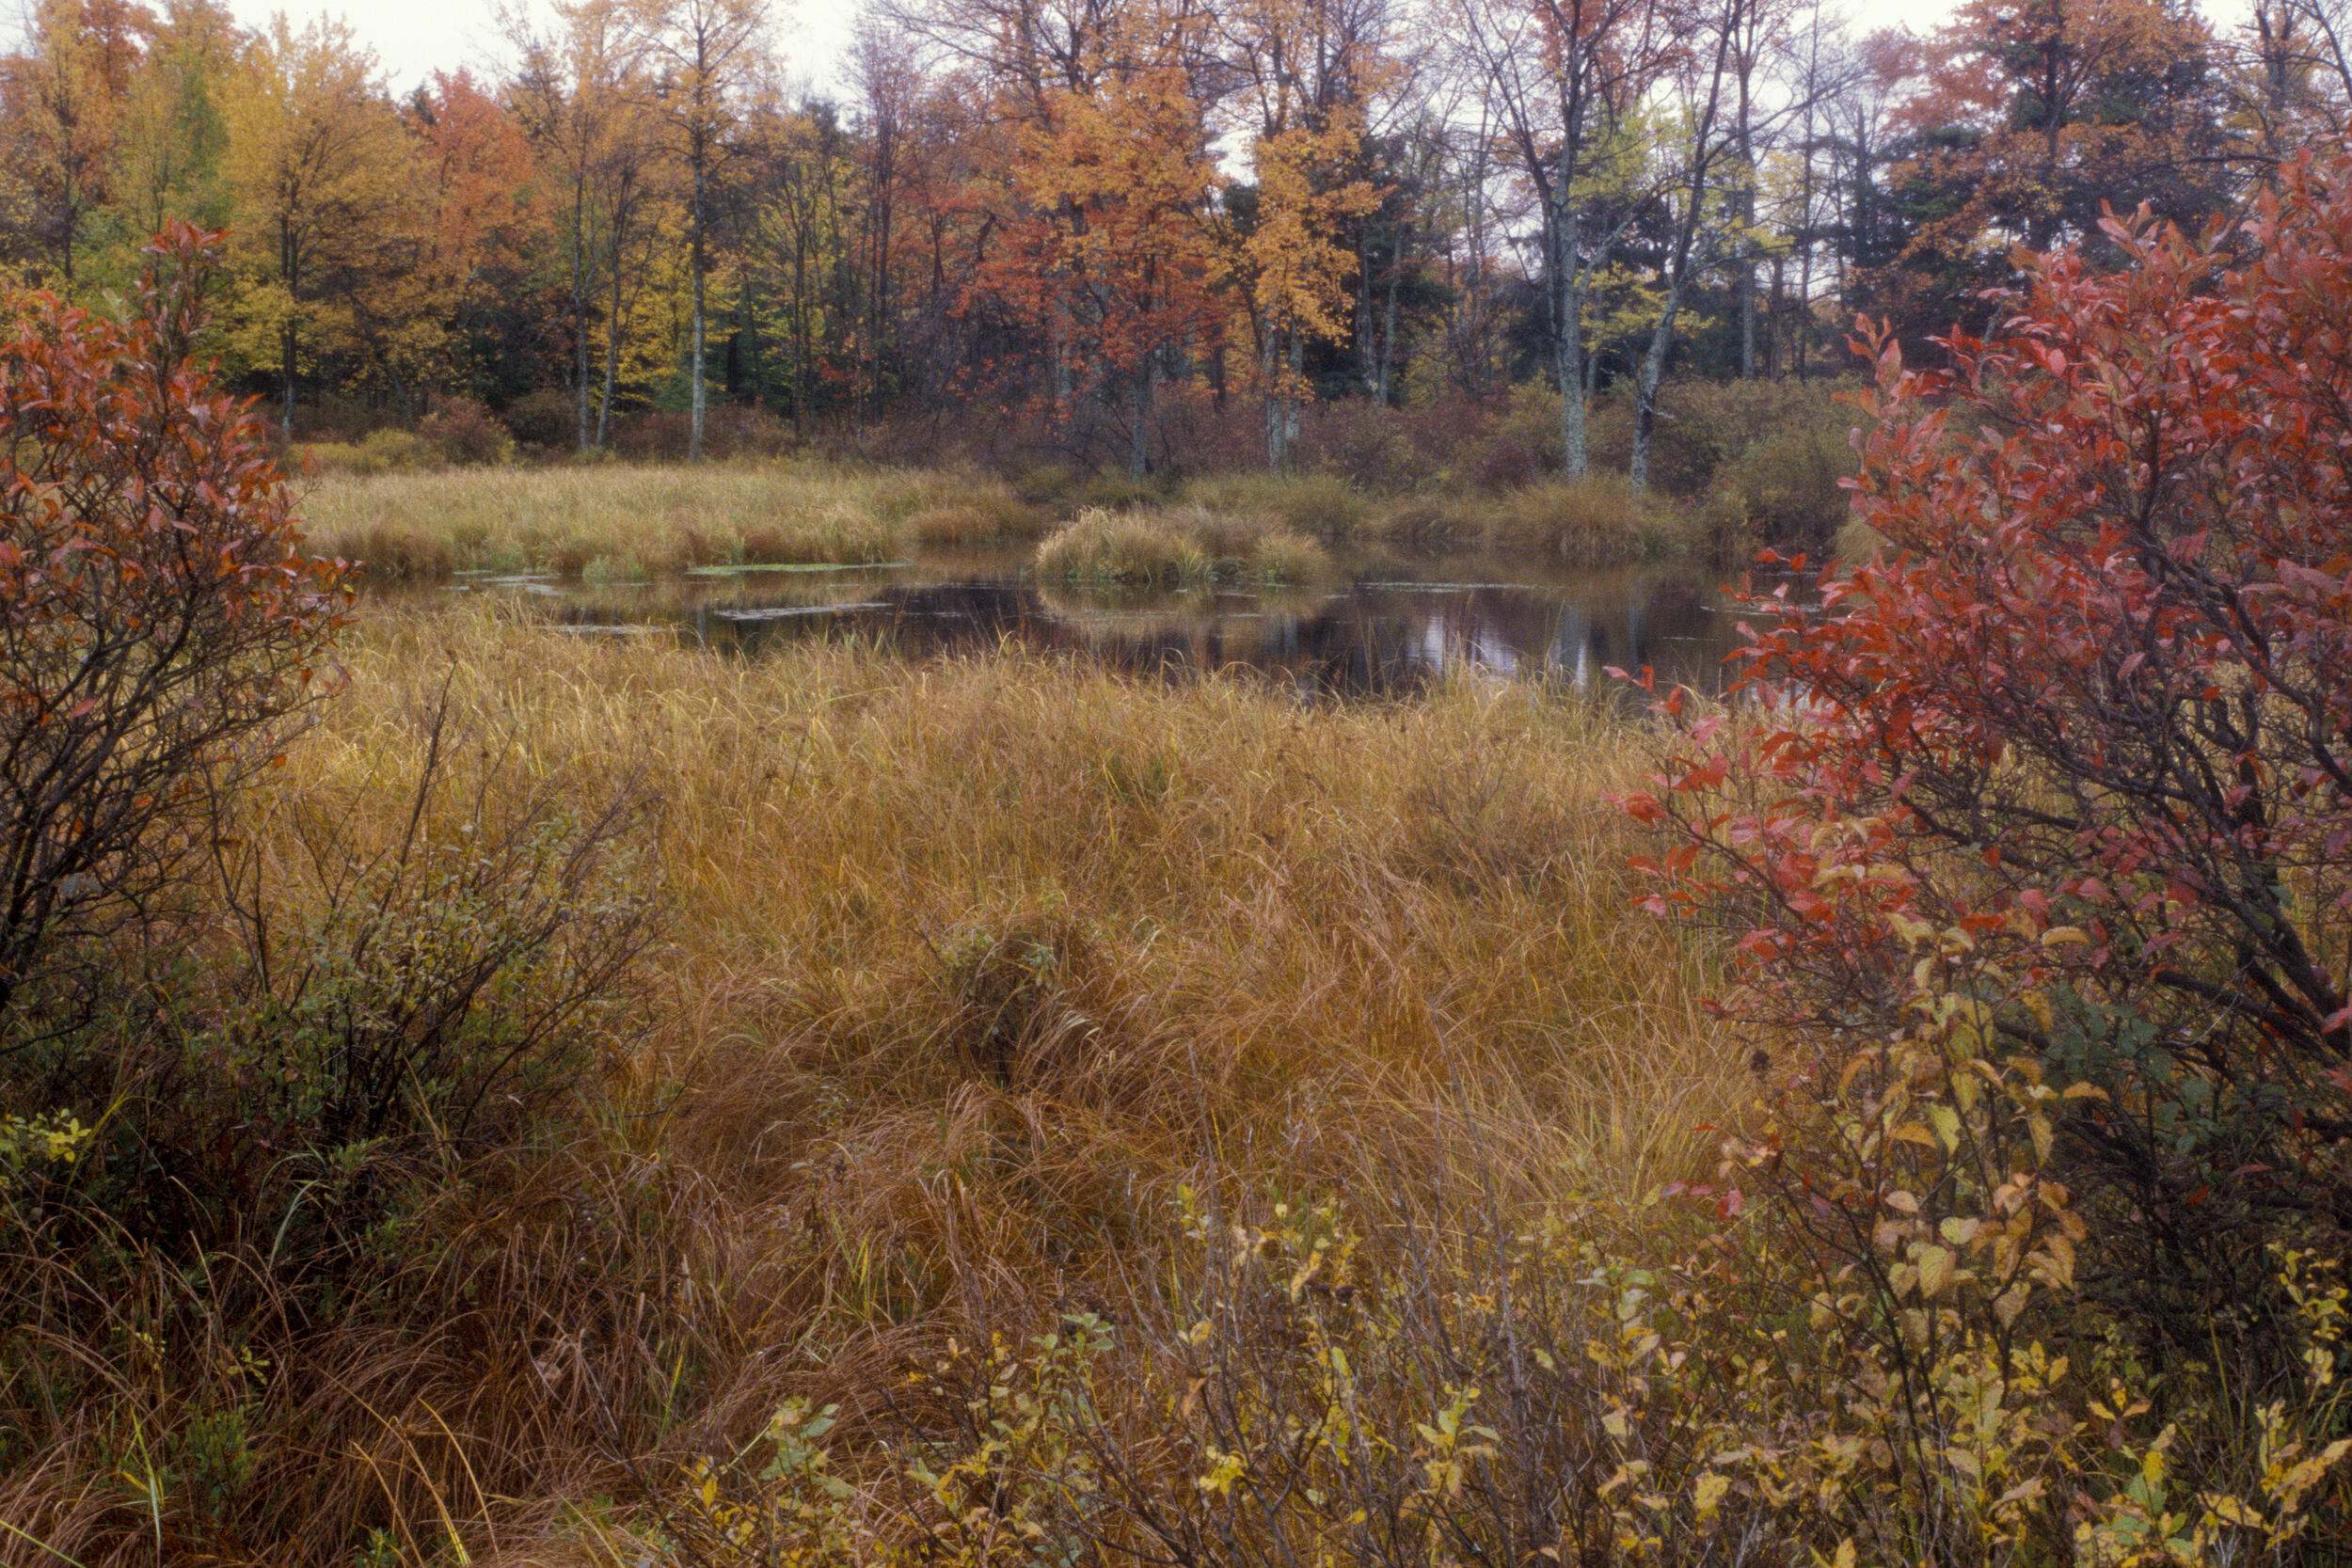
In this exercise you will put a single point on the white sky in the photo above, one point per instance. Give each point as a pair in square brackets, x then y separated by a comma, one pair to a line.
[412, 38]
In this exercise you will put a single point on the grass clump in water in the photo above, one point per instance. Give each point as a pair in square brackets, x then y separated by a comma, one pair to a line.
[1182, 546]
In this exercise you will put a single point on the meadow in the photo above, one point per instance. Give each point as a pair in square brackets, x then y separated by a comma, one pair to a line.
[516, 1093]
[967, 974]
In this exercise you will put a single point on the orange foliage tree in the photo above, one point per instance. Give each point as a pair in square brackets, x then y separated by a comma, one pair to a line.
[1106, 249]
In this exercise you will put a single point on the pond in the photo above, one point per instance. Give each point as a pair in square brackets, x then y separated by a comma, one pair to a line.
[1386, 626]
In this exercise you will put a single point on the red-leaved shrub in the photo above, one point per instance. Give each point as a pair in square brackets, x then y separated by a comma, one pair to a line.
[2062, 786]
[159, 624]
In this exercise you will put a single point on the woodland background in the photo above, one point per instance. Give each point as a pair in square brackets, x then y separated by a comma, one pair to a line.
[1155, 232]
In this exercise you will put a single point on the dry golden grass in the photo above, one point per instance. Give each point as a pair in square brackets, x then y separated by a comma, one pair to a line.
[652, 518]
[1410, 899]
[968, 966]
[1179, 545]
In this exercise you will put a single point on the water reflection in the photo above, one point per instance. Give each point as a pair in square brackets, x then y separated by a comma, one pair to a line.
[1391, 628]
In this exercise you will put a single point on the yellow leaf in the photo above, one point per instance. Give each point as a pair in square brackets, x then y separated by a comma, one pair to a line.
[1935, 1270]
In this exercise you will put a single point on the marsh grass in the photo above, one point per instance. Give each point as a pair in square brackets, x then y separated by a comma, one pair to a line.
[967, 968]
[663, 518]
[650, 520]
[1177, 547]
[1596, 521]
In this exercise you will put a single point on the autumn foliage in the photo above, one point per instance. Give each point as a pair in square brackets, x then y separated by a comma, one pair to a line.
[2075, 755]
[159, 624]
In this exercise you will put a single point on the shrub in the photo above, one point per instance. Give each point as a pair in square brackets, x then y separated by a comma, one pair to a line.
[729, 430]
[742, 430]
[1521, 443]
[546, 420]
[1363, 443]
[1789, 487]
[2032, 887]
[465, 432]
[160, 629]
[1044, 483]
[422, 996]
[395, 451]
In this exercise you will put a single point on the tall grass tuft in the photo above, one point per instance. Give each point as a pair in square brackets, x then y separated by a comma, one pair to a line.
[1181, 546]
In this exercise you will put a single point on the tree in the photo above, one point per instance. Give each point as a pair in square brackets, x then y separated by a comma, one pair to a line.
[64, 101]
[159, 625]
[2065, 776]
[584, 100]
[173, 142]
[1309, 65]
[1106, 246]
[318, 165]
[484, 223]
[709, 49]
[2032, 117]
[1565, 76]
[1691, 156]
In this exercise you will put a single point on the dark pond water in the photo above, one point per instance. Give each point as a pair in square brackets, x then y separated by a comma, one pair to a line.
[1387, 626]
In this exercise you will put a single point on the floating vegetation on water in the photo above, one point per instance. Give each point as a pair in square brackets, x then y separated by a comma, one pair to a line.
[783, 612]
[746, 567]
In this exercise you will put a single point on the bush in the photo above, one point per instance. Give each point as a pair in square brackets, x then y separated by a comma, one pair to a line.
[160, 628]
[428, 996]
[545, 422]
[1363, 443]
[465, 432]
[1521, 443]
[729, 430]
[1789, 487]
[2058, 830]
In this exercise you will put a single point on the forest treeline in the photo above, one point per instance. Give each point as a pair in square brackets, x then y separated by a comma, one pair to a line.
[1152, 232]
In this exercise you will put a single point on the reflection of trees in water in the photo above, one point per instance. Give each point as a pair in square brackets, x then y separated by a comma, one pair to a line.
[1374, 638]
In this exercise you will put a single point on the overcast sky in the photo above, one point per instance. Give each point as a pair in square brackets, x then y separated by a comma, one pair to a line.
[411, 37]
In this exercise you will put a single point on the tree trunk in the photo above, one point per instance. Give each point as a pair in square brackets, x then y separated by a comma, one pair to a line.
[1139, 438]
[695, 423]
[580, 308]
[286, 372]
[1567, 339]
[611, 348]
[1388, 313]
